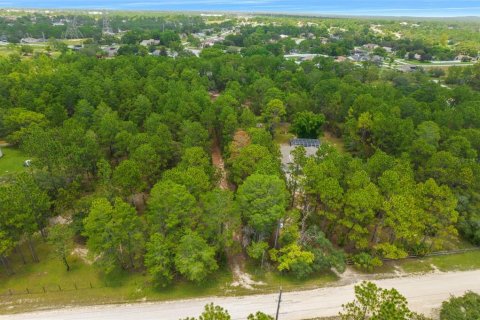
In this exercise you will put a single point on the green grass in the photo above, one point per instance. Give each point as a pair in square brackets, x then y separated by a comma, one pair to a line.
[457, 262]
[123, 287]
[333, 140]
[282, 134]
[416, 266]
[272, 280]
[454, 262]
[12, 161]
[120, 287]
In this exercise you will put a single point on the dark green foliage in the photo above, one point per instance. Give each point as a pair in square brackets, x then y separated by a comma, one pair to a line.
[308, 125]
[465, 307]
[141, 127]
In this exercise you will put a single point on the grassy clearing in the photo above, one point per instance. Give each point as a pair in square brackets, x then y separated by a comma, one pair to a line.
[416, 266]
[283, 134]
[76, 285]
[273, 280]
[12, 161]
[333, 140]
[123, 287]
[455, 262]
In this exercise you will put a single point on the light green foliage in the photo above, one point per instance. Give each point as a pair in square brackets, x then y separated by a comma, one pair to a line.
[439, 206]
[262, 201]
[193, 178]
[326, 255]
[273, 113]
[252, 159]
[61, 238]
[292, 258]
[28, 205]
[128, 178]
[461, 308]
[18, 121]
[114, 233]
[149, 162]
[194, 135]
[367, 262]
[159, 259]
[213, 312]
[259, 316]
[194, 258]
[256, 250]
[372, 302]
[170, 207]
[429, 132]
[220, 217]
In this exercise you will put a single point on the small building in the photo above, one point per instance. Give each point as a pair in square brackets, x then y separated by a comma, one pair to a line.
[150, 42]
[305, 142]
[370, 46]
[110, 51]
[29, 40]
[388, 49]
[311, 147]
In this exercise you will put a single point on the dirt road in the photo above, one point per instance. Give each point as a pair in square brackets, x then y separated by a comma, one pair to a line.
[424, 293]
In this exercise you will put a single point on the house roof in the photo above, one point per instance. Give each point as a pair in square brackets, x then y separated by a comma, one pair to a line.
[305, 142]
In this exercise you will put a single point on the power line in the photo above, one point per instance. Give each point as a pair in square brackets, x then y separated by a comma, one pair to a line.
[106, 30]
[72, 30]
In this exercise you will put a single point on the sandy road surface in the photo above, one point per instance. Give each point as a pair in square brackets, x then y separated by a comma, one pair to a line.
[424, 293]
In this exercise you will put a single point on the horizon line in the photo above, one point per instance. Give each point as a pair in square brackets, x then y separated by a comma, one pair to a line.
[267, 12]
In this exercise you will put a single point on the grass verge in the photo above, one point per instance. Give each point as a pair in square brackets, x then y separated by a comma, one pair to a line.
[12, 161]
[454, 262]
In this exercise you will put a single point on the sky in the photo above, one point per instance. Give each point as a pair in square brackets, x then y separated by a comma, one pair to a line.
[423, 8]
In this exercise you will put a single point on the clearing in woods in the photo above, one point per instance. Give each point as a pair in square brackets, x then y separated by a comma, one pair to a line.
[235, 255]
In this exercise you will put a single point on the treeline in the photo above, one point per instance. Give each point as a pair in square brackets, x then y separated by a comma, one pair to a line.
[42, 26]
[122, 147]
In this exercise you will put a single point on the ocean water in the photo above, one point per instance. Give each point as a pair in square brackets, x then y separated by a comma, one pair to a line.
[419, 8]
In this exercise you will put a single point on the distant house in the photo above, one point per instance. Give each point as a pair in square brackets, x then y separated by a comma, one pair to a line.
[30, 40]
[463, 58]
[311, 146]
[150, 42]
[110, 51]
[370, 46]
[407, 68]
[324, 40]
[388, 49]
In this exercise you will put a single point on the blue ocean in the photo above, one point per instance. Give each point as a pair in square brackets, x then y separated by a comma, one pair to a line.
[422, 8]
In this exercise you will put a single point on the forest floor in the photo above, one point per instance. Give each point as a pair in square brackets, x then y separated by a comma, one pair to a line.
[235, 256]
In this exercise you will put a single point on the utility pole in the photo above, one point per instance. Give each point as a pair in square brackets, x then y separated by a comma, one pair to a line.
[279, 301]
[72, 30]
[106, 30]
